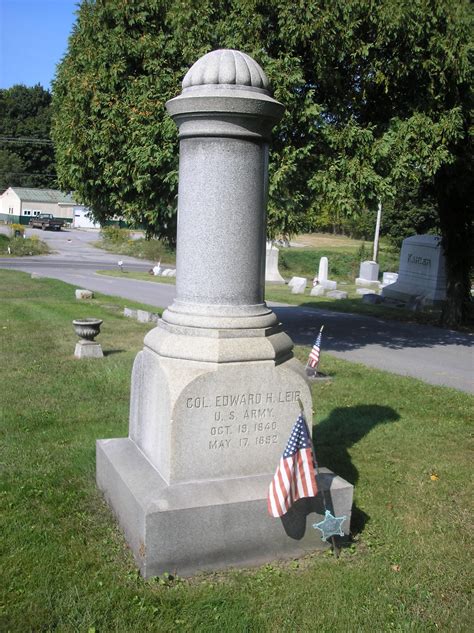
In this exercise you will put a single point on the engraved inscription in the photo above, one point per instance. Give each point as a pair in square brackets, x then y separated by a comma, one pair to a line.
[241, 420]
[418, 259]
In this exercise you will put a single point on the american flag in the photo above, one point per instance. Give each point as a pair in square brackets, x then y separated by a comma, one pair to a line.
[313, 359]
[295, 476]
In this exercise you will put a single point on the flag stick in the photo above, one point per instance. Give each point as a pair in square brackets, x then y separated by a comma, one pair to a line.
[316, 468]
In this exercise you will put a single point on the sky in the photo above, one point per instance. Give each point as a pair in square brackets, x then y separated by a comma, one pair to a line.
[33, 39]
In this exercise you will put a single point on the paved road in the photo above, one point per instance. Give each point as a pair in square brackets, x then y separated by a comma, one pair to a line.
[437, 356]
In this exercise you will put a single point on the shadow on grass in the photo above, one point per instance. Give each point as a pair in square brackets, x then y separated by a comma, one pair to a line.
[334, 436]
[109, 352]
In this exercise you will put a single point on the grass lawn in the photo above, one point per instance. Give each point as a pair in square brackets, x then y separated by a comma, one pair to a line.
[66, 566]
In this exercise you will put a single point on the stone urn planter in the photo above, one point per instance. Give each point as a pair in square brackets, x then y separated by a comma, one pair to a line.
[87, 329]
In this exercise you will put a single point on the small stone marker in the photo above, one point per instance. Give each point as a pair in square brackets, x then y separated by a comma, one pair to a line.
[298, 285]
[337, 294]
[389, 278]
[143, 316]
[37, 276]
[272, 274]
[422, 273]
[317, 291]
[130, 313]
[156, 270]
[216, 389]
[368, 274]
[81, 293]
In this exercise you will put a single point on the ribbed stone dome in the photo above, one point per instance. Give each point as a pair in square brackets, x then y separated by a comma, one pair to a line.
[228, 67]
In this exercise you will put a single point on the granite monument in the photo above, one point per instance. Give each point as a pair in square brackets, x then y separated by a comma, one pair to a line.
[216, 388]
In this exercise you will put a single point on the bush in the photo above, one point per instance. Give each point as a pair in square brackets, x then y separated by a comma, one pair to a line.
[16, 229]
[114, 235]
[152, 249]
[21, 247]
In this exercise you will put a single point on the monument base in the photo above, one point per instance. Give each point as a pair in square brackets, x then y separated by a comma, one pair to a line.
[370, 283]
[191, 527]
[409, 294]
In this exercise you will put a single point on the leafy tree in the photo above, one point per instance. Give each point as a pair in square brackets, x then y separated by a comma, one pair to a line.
[377, 94]
[26, 151]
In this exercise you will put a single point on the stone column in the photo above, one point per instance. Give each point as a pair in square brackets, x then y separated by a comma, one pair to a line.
[225, 115]
[216, 389]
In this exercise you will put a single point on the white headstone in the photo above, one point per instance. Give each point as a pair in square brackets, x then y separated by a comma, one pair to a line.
[422, 272]
[272, 274]
[368, 274]
[299, 285]
[323, 269]
[369, 270]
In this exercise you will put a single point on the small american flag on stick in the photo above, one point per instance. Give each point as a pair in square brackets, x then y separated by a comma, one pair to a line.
[313, 360]
[295, 476]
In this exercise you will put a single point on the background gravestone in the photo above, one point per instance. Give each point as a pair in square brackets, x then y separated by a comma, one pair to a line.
[272, 274]
[422, 272]
[216, 389]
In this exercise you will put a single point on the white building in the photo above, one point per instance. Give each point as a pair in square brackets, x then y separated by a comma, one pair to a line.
[20, 204]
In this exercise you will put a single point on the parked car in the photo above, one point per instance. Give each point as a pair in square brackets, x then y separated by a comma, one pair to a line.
[46, 221]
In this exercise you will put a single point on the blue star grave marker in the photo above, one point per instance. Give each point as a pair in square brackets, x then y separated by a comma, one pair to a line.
[330, 526]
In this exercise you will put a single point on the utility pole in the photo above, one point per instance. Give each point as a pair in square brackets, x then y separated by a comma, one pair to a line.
[377, 231]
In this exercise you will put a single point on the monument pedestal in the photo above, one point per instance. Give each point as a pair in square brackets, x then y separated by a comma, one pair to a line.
[208, 525]
[88, 349]
[189, 486]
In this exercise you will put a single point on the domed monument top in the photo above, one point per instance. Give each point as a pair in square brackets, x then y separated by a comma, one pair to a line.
[226, 67]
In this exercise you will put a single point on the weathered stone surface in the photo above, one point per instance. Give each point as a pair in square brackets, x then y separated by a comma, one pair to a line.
[130, 313]
[272, 274]
[36, 276]
[143, 316]
[337, 294]
[422, 272]
[364, 291]
[82, 293]
[89, 349]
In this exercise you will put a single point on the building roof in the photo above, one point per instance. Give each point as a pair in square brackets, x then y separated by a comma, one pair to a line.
[43, 195]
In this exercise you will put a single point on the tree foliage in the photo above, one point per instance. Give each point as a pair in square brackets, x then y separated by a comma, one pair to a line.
[377, 95]
[26, 152]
